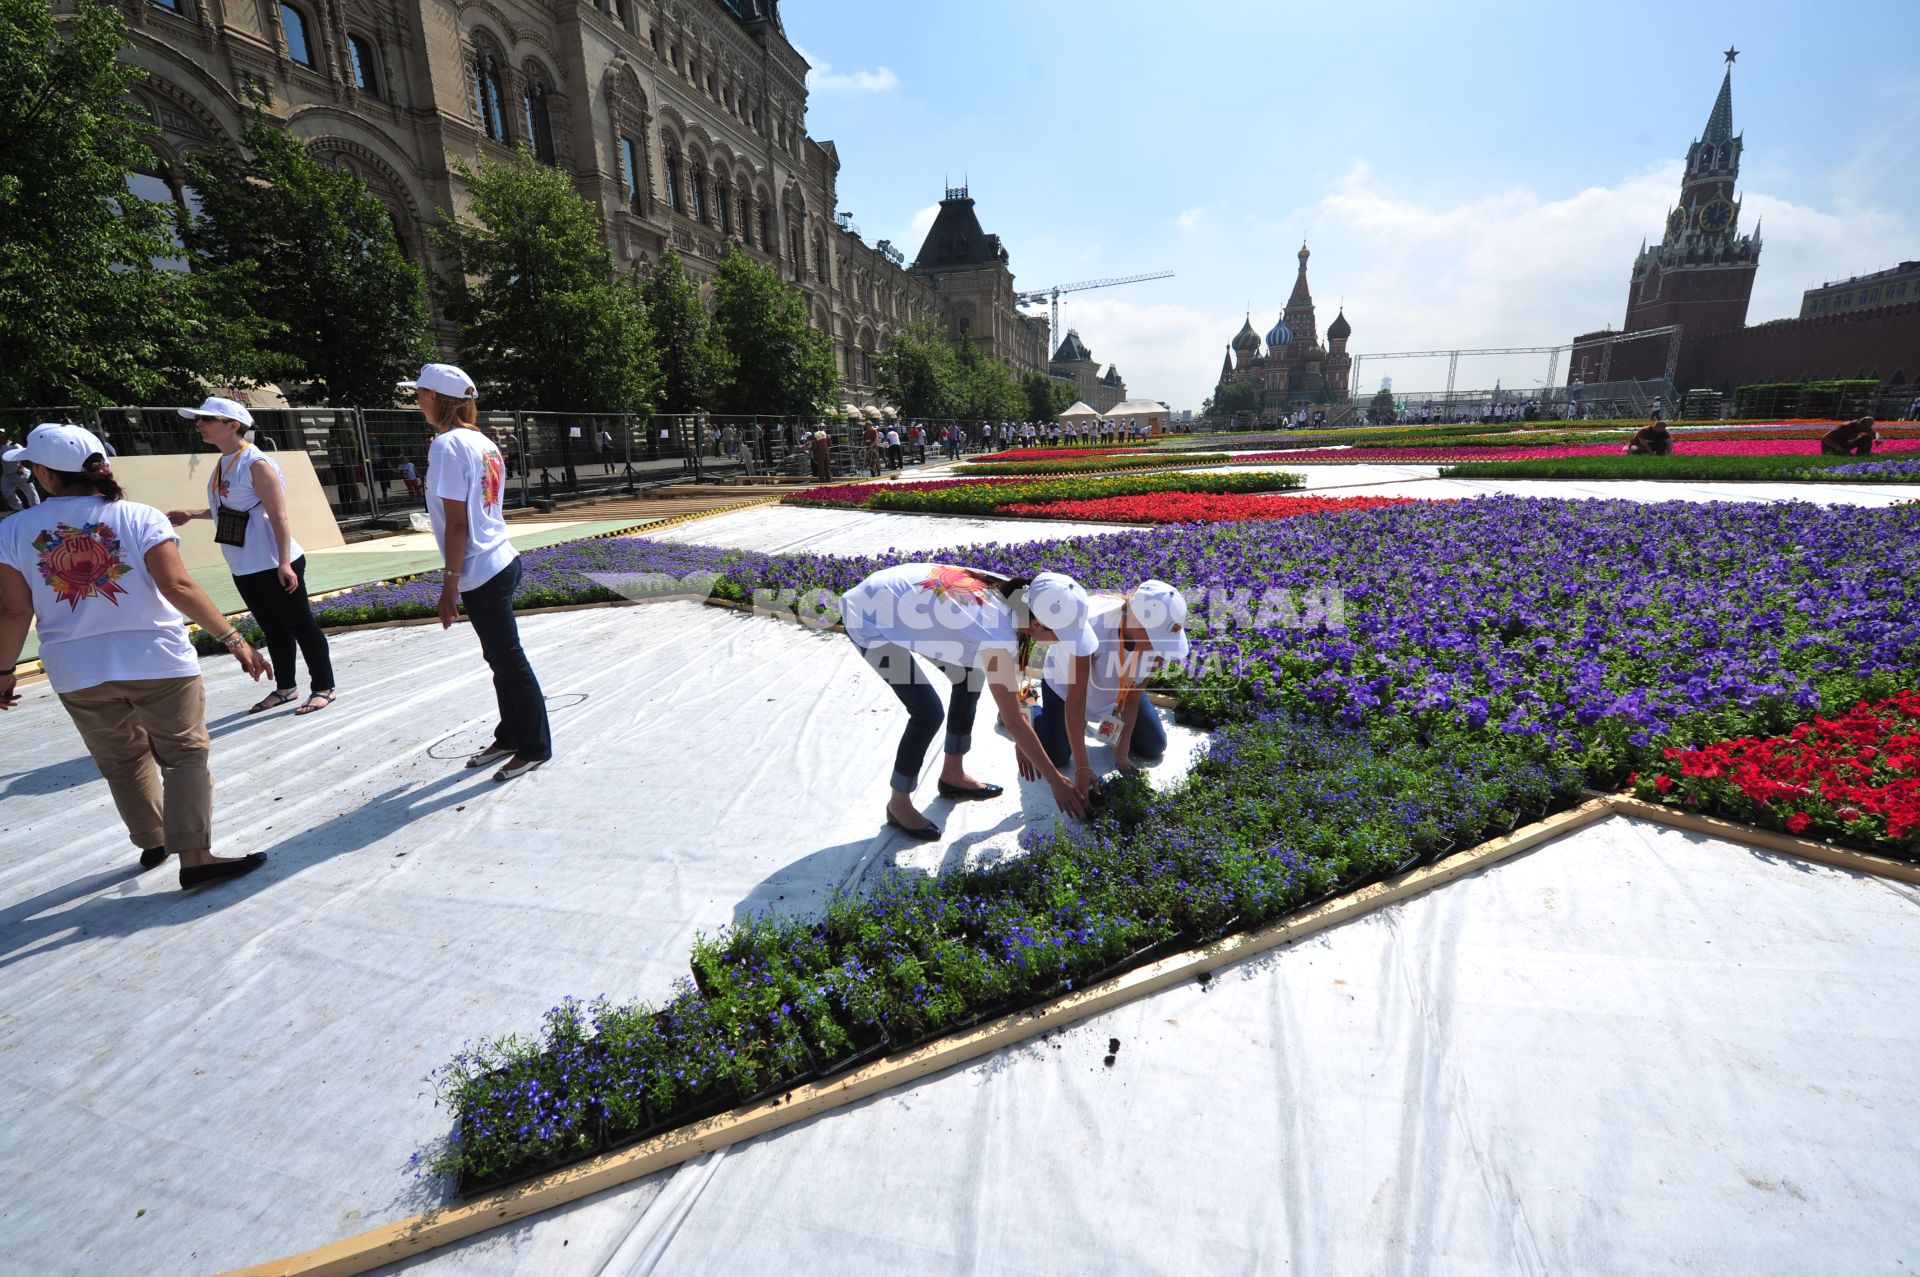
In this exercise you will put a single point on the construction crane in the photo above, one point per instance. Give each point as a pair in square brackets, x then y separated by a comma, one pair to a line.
[1052, 295]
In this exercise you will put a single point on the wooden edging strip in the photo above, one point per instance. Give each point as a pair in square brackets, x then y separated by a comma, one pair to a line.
[404, 1239]
[1768, 839]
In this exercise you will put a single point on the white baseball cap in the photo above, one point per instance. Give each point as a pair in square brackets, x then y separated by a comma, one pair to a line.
[1060, 603]
[1161, 611]
[231, 409]
[58, 446]
[442, 379]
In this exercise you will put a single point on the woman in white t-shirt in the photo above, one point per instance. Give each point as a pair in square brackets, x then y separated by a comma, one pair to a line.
[975, 627]
[1106, 692]
[466, 496]
[102, 578]
[247, 499]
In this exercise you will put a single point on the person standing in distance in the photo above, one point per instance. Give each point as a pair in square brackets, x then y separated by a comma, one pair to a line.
[466, 490]
[247, 500]
[102, 578]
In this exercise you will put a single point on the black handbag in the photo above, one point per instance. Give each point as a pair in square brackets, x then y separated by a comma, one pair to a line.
[230, 527]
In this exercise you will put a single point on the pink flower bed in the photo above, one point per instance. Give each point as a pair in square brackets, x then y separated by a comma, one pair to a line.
[1693, 447]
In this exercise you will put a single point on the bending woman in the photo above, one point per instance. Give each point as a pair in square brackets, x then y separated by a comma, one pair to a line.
[466, 494]
[102, 578]
[1106, 691]
[247, 499]
[976, 628]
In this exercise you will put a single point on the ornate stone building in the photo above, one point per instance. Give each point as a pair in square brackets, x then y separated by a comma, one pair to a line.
[1075, 363]
[969, 269]
[1296, 371]
[683, 121]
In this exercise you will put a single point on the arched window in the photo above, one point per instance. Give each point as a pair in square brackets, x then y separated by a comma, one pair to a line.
[172, 6]
[723, 198]
[366, 74]
[699, 185]
[489, 96]
[746, 224]
[673, 181]
[293, 24]
[766, 227]
[793, 249]
[630, 171]
[538, 121]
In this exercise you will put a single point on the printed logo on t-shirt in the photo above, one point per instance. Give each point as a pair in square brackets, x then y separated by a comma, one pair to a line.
[492, 482]
[82, 563]
[956, 583]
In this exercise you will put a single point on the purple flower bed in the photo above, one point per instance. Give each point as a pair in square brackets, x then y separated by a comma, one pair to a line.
[1903, 470]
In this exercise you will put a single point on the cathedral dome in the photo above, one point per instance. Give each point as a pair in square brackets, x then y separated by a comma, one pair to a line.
[1246, 338]
[1280, 336]
[1339, 329]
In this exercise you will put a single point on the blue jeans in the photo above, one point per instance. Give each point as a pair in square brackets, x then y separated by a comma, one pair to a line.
[523, 707]
[1149, 743]
[909, 682]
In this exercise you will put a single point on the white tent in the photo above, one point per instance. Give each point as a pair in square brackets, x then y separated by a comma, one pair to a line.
[1137, 412]
[1080, 412]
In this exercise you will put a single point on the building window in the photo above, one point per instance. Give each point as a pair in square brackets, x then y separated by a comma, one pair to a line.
[793, 251]
[151, 185]
[1869, 297]
[746, 226]
[293, 24]
[630, 171]
[673, 182]
[539, 122]
[724, 198]
[699, 196]
[653, 35]
[366, 77]
[489, 99]
[171, 6]
[766, 228]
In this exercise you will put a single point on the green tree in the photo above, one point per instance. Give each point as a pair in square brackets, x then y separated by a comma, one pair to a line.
[985, 391]
[93, 306]
[690, 367]
[1234, 398]
[773, 361]
[546, 322]
[329, 269]
[1047, 397]
[918, 371]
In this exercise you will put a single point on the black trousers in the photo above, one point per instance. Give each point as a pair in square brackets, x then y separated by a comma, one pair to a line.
[287, 620]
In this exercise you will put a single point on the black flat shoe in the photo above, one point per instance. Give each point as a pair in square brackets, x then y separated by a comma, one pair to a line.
[152, 857]
[207, 875]
[926, 833]
[959, 795]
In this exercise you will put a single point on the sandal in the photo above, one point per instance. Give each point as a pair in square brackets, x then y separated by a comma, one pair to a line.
[275, 699]
[325, 699]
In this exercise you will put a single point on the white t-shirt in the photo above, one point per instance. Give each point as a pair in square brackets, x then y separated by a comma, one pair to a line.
[464, 465]
[932, 609]
[1110, 663]
[100, 616]
[893, 438]
[231, 486]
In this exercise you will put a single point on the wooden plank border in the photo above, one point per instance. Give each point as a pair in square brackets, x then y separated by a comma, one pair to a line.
[1768, 839]
[404, 1239]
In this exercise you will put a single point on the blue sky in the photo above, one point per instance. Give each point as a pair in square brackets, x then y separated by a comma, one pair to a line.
[1467, 174]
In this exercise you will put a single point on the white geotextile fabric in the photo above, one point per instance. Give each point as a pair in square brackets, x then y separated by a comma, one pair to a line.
[246, 1064]
[1422, 481]
[792, 529]
[1631, 1051]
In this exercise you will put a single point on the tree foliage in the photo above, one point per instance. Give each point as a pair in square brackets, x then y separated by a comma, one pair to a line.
[986, 391]
[770, 359]
[329, 271]
[1047, 397]
[546, 321]
[690, 367]
[1233, 398]
[94, 308]
[918, 371]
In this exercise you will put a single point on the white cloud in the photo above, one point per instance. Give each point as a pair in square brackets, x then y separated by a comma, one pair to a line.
[923, 220]
[822, 78]
[1191, 218]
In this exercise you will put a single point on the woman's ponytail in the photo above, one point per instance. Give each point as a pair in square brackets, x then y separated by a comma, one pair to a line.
[95, 476]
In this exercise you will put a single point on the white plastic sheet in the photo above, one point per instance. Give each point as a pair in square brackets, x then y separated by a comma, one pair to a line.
[1631, 1051]
[789, 529]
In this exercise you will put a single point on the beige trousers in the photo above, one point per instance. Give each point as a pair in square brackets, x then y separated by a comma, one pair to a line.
[134, 725]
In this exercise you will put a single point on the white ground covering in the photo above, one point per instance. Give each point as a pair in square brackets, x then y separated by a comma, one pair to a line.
[1631, 1051]
[245, 1064]
[1422, 481]
[792, 529]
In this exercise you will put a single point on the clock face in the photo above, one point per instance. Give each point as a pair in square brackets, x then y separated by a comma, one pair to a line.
[1717, 215]
[1676, 223]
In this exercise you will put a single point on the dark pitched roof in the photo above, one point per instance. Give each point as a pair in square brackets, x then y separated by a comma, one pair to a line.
[1072, 350]
[1339, 328]
[1301, 296]
[956, 240]
[1720, 121]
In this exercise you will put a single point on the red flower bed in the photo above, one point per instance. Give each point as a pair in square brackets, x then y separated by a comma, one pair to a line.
[1052, 454]
[858, 494]
[1857, 775]
[1196, 507]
